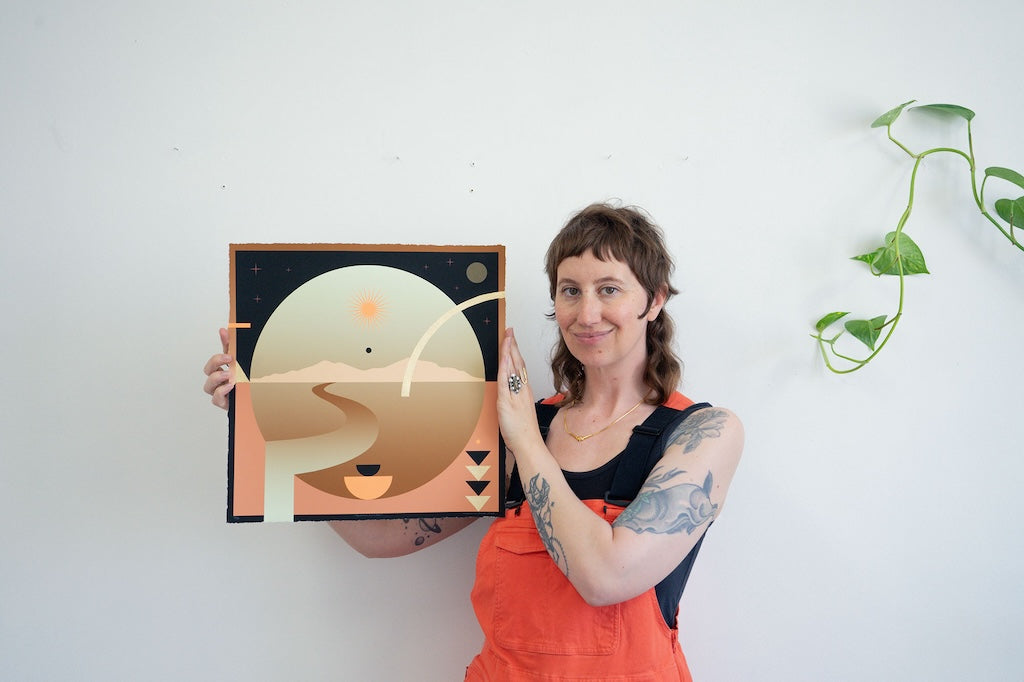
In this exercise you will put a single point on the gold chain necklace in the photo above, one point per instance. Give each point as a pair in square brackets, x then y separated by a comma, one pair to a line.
[579, 438]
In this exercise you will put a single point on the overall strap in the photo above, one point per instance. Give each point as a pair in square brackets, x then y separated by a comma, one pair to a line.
[645, 448]
[514, 496]
[545, 413]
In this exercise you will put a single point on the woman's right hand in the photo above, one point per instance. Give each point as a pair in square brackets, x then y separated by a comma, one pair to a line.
[219, 382]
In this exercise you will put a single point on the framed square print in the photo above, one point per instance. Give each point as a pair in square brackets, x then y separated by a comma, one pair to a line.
[365, 381]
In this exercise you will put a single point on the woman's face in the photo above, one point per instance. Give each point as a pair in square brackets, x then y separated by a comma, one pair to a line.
[600, 309]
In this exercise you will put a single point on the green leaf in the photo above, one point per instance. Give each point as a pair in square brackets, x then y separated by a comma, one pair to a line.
[886, 260]
[955, 109]
[1005, 174]
[824, 322]
[866, 331]
[869, 258]
[888, 117]
[1012, 211]
[910, 254]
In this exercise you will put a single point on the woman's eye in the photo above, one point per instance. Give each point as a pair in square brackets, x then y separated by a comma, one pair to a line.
[570, 291]
[608, 291]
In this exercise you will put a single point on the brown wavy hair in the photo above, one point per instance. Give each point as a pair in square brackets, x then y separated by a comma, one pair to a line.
[627, 234]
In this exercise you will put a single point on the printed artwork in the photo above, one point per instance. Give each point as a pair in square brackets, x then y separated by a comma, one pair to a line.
[365, 381]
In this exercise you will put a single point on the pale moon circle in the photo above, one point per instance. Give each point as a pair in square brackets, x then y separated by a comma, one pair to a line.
[476, 272]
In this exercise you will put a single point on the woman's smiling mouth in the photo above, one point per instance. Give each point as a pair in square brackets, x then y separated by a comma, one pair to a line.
[590, 337]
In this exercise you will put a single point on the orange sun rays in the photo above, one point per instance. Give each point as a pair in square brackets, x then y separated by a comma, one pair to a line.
[369, 307]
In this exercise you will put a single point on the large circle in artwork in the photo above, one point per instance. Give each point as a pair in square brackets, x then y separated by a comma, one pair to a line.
[329, 369]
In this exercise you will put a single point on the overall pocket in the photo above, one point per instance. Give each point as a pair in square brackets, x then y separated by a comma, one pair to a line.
[536, 607]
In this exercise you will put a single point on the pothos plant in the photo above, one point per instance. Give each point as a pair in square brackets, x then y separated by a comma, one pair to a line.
[899, 256]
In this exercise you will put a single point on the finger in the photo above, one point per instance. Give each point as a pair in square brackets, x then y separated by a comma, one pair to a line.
[514, 359]
[506, 370]
[220, 395]
[505, 364]
[511, 370]
[518, 362]
[216, 363]
[217, 379]
[513, 367]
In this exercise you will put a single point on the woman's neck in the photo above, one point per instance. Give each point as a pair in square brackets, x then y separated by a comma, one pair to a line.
[604, 393]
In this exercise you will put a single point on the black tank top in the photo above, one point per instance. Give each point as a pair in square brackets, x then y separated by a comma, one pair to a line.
[620, 479]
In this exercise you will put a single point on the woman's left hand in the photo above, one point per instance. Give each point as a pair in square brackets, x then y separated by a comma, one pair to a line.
[517, 416]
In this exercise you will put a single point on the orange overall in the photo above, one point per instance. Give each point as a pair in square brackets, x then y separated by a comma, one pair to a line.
[537, 627]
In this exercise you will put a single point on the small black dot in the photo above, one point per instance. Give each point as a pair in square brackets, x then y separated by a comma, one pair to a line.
[369, 350]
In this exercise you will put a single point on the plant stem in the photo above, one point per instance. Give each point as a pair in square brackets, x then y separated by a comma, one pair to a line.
[899, 144]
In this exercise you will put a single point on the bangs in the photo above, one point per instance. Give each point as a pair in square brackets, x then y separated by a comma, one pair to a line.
[603, 233]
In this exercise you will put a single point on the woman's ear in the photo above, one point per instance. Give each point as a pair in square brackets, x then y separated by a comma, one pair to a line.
[657, 303]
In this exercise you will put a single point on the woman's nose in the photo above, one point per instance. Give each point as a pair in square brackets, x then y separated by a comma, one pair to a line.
[590, 310]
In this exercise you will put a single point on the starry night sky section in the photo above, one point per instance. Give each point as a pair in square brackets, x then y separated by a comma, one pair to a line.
[263, 279]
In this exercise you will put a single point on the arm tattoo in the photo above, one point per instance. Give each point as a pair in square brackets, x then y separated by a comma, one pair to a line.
[425, 528]
[701, 424]
[538, 495]
[662, 507]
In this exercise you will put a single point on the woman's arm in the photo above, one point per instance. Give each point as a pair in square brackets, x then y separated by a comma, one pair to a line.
[682, 496]
[608, 564]
[384, 538]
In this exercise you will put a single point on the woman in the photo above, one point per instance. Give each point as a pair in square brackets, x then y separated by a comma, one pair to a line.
[616, 478]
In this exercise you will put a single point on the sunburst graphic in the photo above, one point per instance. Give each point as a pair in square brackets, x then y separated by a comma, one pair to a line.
[369, 307]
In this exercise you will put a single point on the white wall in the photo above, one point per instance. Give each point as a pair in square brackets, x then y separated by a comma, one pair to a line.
[872, 531]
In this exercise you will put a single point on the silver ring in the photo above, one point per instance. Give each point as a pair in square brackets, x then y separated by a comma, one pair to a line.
[515, 384]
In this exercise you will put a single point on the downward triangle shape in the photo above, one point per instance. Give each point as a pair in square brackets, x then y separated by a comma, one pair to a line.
[478, 486]
[478, 501]
[478, 456]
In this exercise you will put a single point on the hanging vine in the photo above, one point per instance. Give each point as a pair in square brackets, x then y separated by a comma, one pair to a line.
[899, 256]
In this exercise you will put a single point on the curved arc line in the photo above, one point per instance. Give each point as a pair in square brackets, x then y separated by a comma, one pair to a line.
[447, 315]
